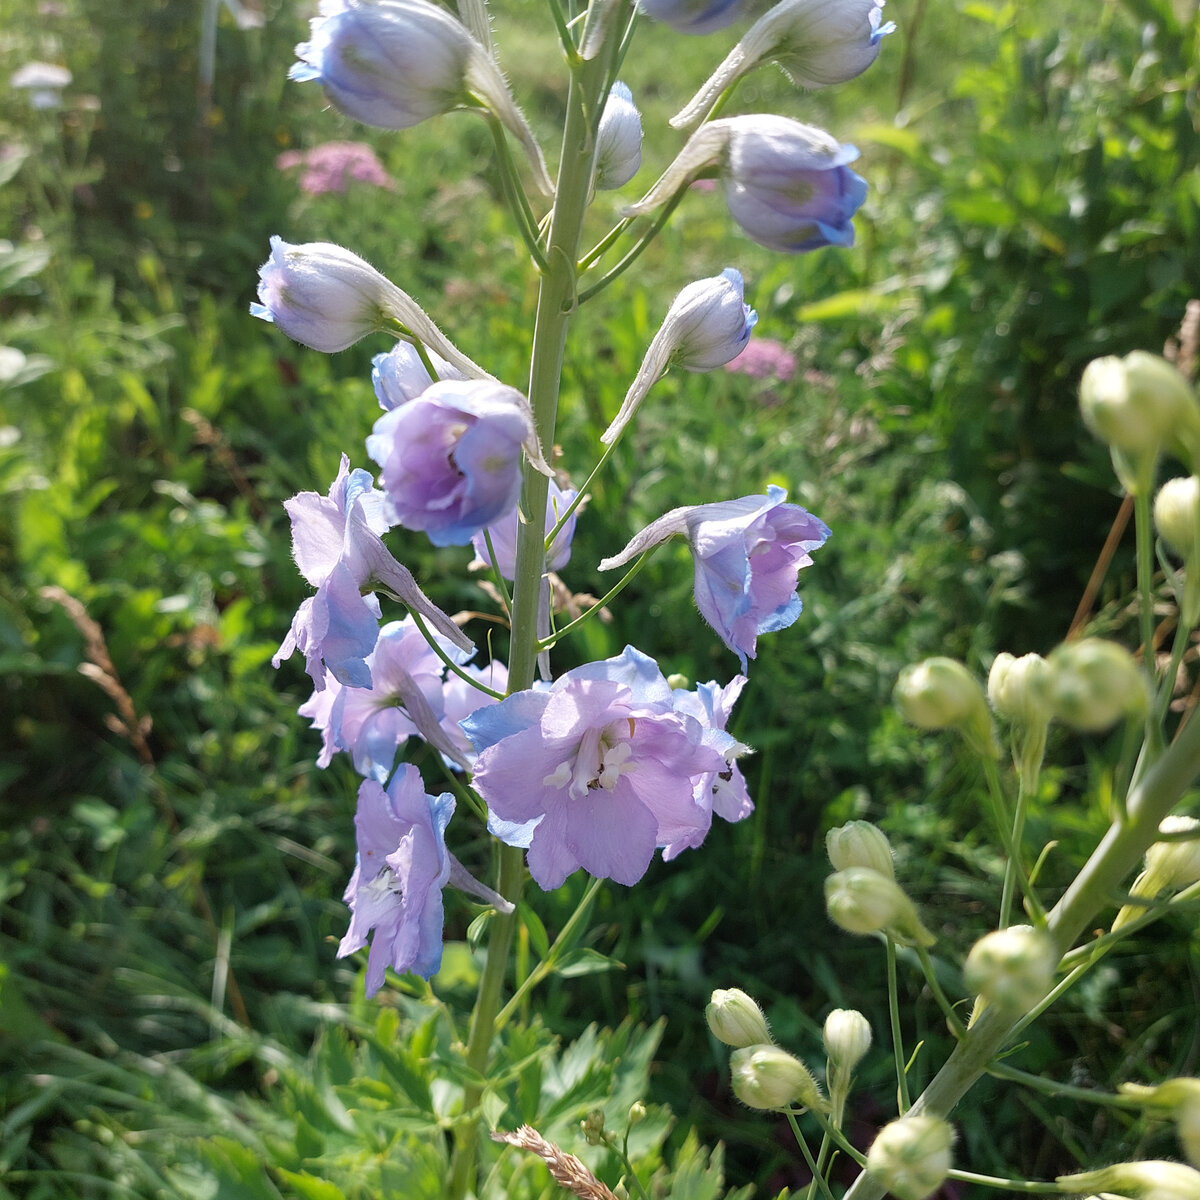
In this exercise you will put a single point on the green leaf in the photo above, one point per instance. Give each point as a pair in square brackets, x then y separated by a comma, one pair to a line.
[537, 931]
[309, 1186]
[586, 962]
[859, 302]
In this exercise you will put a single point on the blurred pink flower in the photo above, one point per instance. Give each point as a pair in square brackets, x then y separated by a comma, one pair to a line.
[331, 166]
[764, 358]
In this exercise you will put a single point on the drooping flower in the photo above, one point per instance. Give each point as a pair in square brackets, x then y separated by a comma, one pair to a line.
[451, 457]
[693, 16]
[337, 546]
[327, 298]
[787, 185]
[708, 324]
[396, 888]
[396, 63]
[815, 42]
[503, 534]
[618, 140]
[594, 771]
[399, 375]
[748, 554]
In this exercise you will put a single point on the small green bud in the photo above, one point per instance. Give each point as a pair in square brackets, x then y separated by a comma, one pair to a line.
[860, 844]
[736, 1019]
[1019, 689]
[1136, 1181]
[637, 1113]
[941, 693]
[1181, 1097]
[1177, 516]
[592, 1127]
[678, 682]
[911, 1157]
[1012, 968]
[1095, 683]
[860, 900]
[768, 1077]
[1135, 403]
[847, 1038]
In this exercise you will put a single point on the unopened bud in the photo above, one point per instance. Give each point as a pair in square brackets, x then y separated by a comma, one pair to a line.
[768, 1077]
[1095, 683]
[941, 693]
[1012, 968]
[1019, 689]
[1181, 1099]
[860, 844]
[592, 1127]
[1136, 1181]
[618, 140]
[847, 1038]
[911, 1157]
[736, 1019]
[860, 900]
[1177, 516]
[637, 1113]
[1169, 866]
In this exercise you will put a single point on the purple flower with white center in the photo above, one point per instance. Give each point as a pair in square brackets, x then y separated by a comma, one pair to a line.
[504, 535]
[815, 42]
[593, 772]
[451, 457]
[693, 16]
[787, 184]
[396, 888]
[748, 554]
[618, 140]
[708, 324]
[399, 375]
[337, 546]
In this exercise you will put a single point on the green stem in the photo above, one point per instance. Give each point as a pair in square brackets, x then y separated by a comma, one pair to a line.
[514, 193]
[1000, 816]
[838, 1138]
[1030, 1187]
[1120, 850]
[1013, 862]
[902, 1100]
[939, 995]
[1060, 1090]
[430, 637]
[818, 1179]
[630, 575]
[1144, 526]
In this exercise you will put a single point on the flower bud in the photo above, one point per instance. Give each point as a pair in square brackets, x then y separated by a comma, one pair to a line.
[815, 42]
[637, 1113]
[1136, 1181]
[768, 1077]
[708, 324]
[735, 1019]
[399, 375]
[1177, 517]
[592, 1127]
[1019, 689]
[941, 693]
[911, 1157]
[847, 1038]
[1012, 968]
[1169, 866]
[694, 17]
[618, 140]
[1181, 1097]
[860, 844]
[1095, 683]
[860, 900]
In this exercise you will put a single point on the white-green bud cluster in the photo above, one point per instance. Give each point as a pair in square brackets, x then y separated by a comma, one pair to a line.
[1012, 968]
[1020, 691]
[860, 844]
[1181, 1100]
[1169, 866]
[735, 1019]
[1095, 683]
[1155, 1180]
[941, 693]
[767, 1077]
[911, 1157]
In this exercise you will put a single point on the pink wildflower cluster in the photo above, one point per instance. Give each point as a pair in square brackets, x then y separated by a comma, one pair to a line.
[764, 358]
[331, 166]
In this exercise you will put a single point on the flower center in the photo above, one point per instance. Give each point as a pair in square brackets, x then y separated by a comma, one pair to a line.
[604, 754]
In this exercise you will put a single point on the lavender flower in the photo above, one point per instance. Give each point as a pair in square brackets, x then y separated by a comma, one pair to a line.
[693, 16]
[747, 554]
[396, 888]
[399, 375]
[338, 548]
[451, 458]
[504, 535]
[787, 184]
[595, 772]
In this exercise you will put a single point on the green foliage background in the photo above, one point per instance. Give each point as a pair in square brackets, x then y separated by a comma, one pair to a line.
[172, 1017]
